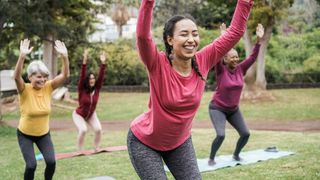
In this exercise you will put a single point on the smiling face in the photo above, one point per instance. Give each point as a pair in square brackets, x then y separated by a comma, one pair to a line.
[232, 59]
[38, 80]
[185, 39]
[92, 80]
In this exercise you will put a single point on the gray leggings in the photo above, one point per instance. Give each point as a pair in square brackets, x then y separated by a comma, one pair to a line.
[147, 162]
[218, 118]
[45, 146]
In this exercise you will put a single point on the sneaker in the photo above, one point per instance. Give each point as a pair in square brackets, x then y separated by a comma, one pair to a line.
[271, 149]
[211, 162]
[237, 158]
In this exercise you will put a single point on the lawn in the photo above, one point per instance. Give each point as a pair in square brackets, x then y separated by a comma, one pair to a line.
[290, 105]
[303, 165]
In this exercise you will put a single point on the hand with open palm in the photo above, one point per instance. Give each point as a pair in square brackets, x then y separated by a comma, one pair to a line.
[61, 48]
[24, 47]
[103, 57]
[259, 32]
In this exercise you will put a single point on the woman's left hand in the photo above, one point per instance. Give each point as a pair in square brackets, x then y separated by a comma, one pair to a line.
[103, 57]
[61, 48]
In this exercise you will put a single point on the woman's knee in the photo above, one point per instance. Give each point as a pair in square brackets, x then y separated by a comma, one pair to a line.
[51, 163]
[31, 166]
[245, 135]
[83, 131]
[220, 137]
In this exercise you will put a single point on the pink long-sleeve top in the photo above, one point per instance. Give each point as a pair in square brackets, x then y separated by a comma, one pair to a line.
[174, 99]
[87, 100]
[230, 82]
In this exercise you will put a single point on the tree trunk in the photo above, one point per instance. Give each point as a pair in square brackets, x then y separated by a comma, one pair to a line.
[250, 76]
[50, 56]
[261, 82]
[255, 81]
[119, 27]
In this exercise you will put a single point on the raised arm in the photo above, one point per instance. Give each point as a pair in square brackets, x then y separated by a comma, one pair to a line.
[103, 59]
[65, 73]
[146, 47]
[245, 65]
[83, 69]
[213, 52]
[24, 50]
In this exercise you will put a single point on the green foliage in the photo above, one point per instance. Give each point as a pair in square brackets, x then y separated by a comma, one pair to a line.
[164, 9]
[123, 64]
[70, 21]
[211, 13]
[293, 55]
[312, 64]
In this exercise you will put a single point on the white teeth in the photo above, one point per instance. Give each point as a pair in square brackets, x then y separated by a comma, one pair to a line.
[189, 47]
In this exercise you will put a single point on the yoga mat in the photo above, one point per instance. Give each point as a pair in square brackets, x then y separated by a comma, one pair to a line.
[84, 152]
[101, 178]
[248, 157]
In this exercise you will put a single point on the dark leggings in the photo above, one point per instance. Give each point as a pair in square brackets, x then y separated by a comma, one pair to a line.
[45, 146]
[218, 118]
[147, 162]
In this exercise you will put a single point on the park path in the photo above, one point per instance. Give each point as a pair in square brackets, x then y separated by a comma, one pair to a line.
[297, 126]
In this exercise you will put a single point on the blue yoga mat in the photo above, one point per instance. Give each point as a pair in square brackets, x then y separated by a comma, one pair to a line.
[248, 157]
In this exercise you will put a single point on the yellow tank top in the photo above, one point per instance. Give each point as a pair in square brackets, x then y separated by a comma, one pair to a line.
[35, 107]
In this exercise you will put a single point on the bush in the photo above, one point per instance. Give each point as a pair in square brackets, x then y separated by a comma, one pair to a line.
[312, 64]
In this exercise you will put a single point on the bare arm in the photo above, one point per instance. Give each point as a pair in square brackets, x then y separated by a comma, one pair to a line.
[24, 50]
[65, 73]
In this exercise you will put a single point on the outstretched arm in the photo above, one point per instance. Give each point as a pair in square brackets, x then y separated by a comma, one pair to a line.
[83, 70]
[213, 52]
[24, 50]
[247, 63]
[103, 59]
[146, 47]
[58, 80]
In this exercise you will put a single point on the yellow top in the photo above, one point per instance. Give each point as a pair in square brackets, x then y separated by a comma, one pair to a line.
[35, 107]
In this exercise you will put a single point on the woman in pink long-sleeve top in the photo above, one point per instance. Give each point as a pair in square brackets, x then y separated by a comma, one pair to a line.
[177, 81]
[225, 102]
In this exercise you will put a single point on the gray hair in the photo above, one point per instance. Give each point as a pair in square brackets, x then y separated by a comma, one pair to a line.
[37, 67]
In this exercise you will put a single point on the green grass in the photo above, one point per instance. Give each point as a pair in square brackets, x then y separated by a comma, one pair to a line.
[303, 165]
[290, 105]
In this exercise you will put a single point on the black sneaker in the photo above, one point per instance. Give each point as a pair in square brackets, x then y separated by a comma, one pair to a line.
[211, 162]
[237, 158]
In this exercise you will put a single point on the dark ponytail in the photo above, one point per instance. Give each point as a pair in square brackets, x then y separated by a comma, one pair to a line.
[168, 31]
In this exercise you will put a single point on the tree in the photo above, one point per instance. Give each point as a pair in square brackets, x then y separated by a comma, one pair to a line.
[120, 16]
[164, 9]
[70, 21]
[211, 13]
[266, 12]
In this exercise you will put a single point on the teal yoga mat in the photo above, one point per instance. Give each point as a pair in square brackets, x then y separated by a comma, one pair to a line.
[248, 157]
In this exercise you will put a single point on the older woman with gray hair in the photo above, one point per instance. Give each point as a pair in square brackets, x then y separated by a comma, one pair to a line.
[35, 107]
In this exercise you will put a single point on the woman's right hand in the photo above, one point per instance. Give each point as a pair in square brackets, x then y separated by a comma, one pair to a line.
[85, 56]
[24, 47]
[223, 28]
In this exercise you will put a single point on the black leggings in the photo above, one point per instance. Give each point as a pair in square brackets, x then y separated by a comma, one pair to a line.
[45, 146]
[182, 161]
[218, 118]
